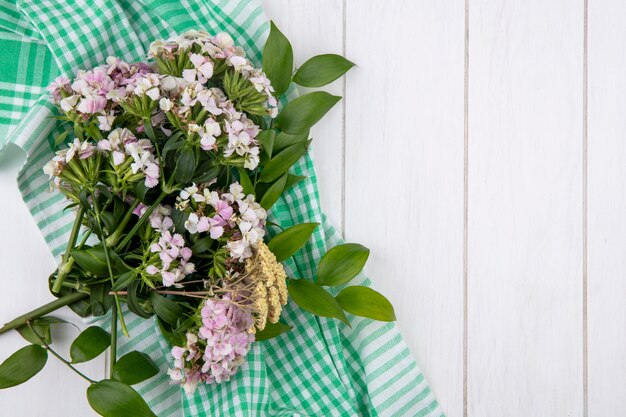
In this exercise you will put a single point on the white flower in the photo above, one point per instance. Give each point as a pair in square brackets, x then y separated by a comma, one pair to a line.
[165, 104]
[202, 69]
[69, 103]
[195, 224]
[236, 190]
[240, 63]
[105, 122]
[189, 191]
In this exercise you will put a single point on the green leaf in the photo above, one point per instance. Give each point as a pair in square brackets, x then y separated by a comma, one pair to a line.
[89, 344]
[303, 112]
[293, 180]
[341, 263]
[321, 70]
[273, 193]
[281, 163]
[60, 138]
[134, 302]
[245, 182]
[365, 302]
[22, 365]
[168, 310]
[124, 280]
[289, 241]
[284, 140]
[133, 368]
[278, 60]
[266, 139]
[202, 245]
[42, 327]
[115, 399]
[185, 166]
[94, 260]
[173, 143]
[314, 299]
[271, 330]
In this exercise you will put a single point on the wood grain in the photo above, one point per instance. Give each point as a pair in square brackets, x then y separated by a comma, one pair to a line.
[404, 172]
[317, 28]
[525, 209]
[26, 263]
[607, 208]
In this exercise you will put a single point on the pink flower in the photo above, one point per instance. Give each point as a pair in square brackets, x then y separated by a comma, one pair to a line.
[92, 105]
[202, 69]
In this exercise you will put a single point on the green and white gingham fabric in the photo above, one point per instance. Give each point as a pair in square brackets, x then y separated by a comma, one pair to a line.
[322, 367]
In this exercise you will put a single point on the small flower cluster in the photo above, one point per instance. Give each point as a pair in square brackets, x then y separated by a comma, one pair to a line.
[131, 156]
[232, 216]
[180, 103]
[96, 92]
[78, 149]
[210, 55]
[168, 256]
[218, 349]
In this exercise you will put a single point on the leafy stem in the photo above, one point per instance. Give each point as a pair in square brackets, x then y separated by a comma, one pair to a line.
[140, 222]
[43, 310]
[59, 357]
[118, 306]
[66, 261]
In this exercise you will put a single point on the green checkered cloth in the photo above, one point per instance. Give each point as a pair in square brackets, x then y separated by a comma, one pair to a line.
[321, 367]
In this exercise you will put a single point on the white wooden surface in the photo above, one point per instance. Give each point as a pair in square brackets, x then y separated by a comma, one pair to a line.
[480, 153]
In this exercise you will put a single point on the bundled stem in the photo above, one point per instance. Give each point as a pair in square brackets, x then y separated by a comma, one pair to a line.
[43, 310]
[66, 260]
[140, 222]
[118, 306]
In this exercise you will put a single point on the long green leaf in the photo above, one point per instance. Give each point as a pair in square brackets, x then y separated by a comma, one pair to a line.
[168, 310]
[271, 330]
[116, 399]
[274, 192]
[341, 263]
[321, 70]
[124, 280]
[133, 368]
[289, 241]
[42, 327]
[365, 302]
[314, 299]
[22, 365]
[185, 166]
[284, 140]
[94, 260]
[266, 139]
[89, 344]
[303, 112]
[278, 165]
[278, 60]
[244, 180]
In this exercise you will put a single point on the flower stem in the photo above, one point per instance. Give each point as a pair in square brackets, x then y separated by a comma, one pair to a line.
[66, 260]
[113, 351]
[43, 310]
[140, 222]
[108, 259]
[112, 240]
[59, 357]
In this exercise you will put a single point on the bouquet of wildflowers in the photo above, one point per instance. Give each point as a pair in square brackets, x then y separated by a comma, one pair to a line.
[171, 166]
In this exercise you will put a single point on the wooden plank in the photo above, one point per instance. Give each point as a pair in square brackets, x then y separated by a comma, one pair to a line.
[606, 208]
[317, 28]
[404, 172]
[525, 209]
[26, 264]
